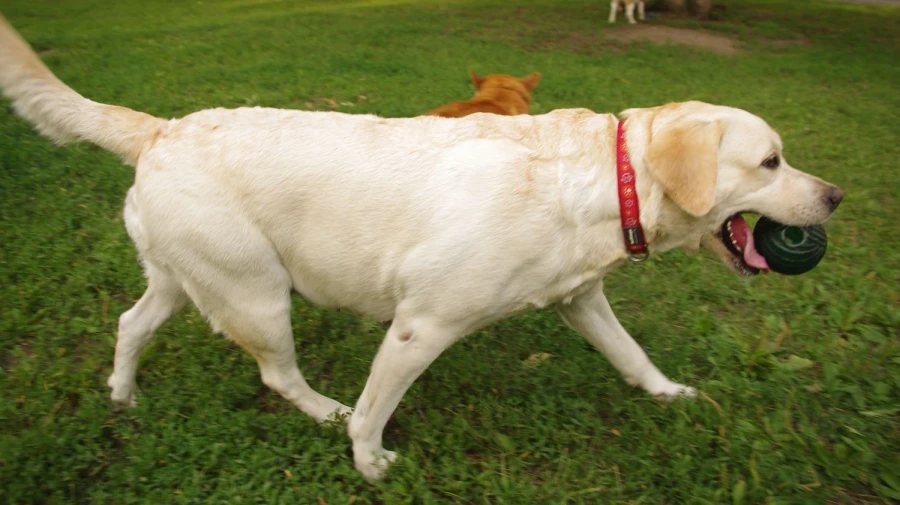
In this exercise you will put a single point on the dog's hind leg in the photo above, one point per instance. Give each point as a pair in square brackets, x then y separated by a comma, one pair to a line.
[629, 11]
[592, 317]
[641, 10]
[255, 312]
[163, 298]
[613, 7]
[411, 344]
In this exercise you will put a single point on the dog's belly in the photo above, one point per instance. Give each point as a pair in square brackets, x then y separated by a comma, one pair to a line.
[379, 308]
[461, 278]
[340, 282]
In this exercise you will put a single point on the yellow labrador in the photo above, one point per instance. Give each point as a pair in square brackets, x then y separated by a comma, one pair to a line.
[441, 225]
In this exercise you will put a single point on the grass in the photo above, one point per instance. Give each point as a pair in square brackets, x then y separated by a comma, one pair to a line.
[800, 375]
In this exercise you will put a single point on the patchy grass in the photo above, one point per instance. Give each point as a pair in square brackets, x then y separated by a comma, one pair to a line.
[801, 376]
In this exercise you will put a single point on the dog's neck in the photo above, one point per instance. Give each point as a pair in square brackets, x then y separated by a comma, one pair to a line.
[589, 198]
[666, 225]
[573, 173]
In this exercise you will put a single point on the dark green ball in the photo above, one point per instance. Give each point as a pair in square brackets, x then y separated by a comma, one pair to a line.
[789, 250]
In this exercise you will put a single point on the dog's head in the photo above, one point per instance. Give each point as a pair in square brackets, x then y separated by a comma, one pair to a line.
[523, 86]
[714, 163]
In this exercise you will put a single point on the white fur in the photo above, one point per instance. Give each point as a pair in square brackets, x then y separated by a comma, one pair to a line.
[615, 5]
[440, 225]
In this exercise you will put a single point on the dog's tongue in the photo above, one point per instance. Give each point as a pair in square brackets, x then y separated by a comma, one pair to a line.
[742, 233]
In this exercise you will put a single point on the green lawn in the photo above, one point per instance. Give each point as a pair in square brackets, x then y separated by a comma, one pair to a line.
[800, 375]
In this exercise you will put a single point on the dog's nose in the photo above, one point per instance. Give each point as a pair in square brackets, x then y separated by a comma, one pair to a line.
[834, 195]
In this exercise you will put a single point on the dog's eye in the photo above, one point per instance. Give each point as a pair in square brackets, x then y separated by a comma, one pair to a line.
[771, 163]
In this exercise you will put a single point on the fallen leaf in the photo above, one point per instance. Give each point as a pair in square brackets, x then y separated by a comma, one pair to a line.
[535, 359]
[794, 363]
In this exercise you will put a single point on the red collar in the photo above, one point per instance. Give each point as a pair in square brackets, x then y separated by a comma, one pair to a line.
[628, 201]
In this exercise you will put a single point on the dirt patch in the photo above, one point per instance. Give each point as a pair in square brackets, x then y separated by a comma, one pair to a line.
[714, 42]
[547, 31]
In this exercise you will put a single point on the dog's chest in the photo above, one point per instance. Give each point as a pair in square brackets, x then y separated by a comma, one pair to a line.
[564, 289]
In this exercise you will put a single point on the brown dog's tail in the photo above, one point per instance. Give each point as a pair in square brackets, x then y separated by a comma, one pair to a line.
[62, 114]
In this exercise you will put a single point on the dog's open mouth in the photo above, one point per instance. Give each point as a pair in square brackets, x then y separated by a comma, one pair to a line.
[737, 236]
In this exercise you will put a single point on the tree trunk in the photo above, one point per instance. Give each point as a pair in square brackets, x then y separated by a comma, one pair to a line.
[677, 6]
[702, 8]
[698, 8]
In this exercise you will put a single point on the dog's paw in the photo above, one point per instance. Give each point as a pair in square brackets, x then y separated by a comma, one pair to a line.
[343, 413]
[121, 392]
[374, 464]
[678, 391]
[669, 391]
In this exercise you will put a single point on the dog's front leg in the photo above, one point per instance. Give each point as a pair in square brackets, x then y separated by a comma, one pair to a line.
[629, 11]
[592, 317]
[411, 344]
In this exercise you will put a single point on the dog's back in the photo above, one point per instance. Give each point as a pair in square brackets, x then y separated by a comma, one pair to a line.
[496, 94]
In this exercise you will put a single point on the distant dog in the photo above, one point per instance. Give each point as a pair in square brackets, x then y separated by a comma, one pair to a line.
[497, 93]
[615, 5]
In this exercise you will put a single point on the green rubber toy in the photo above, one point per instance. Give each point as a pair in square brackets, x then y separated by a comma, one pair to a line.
[790, 250]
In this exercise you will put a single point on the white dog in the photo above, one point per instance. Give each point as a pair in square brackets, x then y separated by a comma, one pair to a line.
[440, 225]
[615, 5]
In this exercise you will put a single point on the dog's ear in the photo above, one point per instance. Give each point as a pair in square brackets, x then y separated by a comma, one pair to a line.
[477, 80]
[683, 158]
[531, 81]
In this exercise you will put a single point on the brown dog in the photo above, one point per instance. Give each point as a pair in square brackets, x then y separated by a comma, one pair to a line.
[497, 93]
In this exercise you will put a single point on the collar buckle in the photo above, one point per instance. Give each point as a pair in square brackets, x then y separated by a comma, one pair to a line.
[637, 257]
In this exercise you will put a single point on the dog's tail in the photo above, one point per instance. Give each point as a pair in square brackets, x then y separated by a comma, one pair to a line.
[62, 114]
